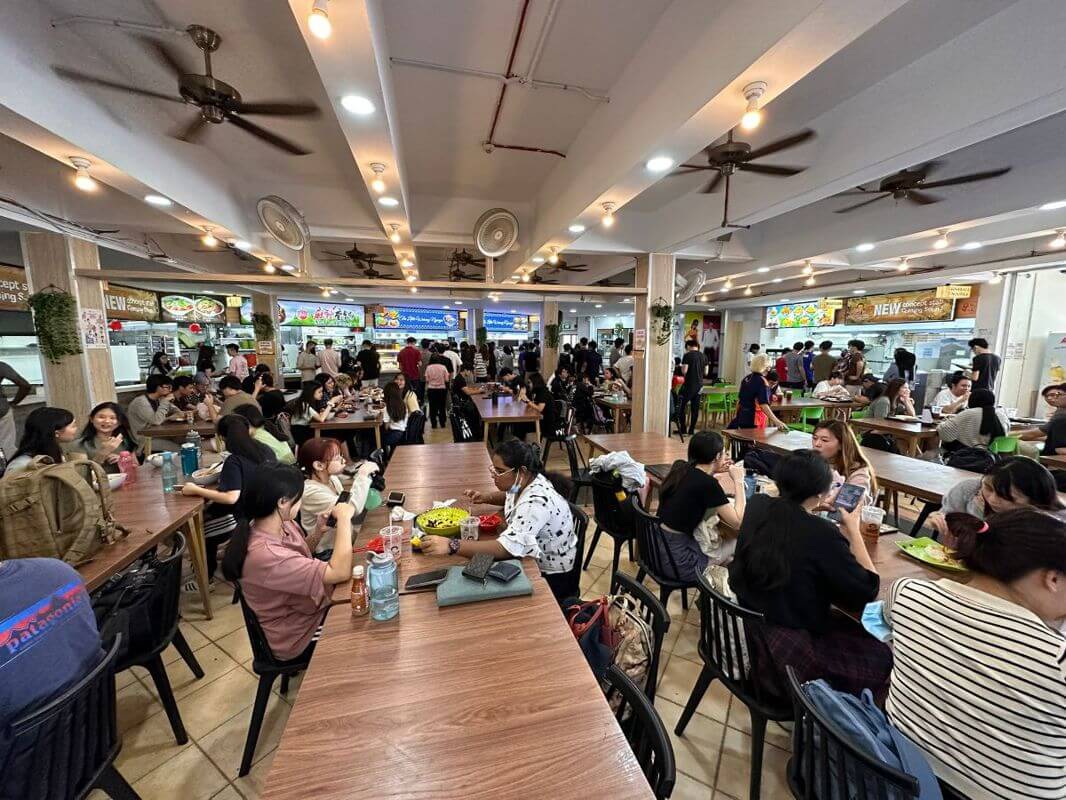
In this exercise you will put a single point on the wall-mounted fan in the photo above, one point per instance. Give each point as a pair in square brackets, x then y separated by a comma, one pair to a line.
[911, 185]
[687, 286]
[283, 221]
[217, 100]
[496, 232]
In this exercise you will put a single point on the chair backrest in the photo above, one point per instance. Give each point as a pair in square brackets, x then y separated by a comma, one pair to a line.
[416, 426]
[55, 752]
[573, 454]
[825, 763]
[653, 554]
[612, 515]
[644, 730]
[165, 605]
[556, 419]
[581, 526]
[262, 655]
[652, 612]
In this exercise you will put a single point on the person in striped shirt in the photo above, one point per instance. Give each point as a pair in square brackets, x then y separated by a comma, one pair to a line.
[979, 676]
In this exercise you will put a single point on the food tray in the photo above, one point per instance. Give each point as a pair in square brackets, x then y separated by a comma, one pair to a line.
[929, 551]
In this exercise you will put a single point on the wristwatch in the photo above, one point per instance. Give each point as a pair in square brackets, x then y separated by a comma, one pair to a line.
[453, 546]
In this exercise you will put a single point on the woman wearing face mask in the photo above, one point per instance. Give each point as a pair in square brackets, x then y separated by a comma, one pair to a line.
[106, 434]
[979, 679]
[44, 433]
[287, 588]
[538, 519]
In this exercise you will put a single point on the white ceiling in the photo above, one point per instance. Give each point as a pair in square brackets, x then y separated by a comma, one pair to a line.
[885, 84]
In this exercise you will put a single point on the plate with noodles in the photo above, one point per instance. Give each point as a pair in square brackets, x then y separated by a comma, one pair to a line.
[929, 551]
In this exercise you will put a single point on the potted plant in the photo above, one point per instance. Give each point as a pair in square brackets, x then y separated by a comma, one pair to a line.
[662, 314]
[551, 336]
[263, 326]
[55, 319]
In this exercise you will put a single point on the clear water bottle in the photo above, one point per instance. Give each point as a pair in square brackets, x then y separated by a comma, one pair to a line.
[193, 438]
[168, 472]
[384, 580]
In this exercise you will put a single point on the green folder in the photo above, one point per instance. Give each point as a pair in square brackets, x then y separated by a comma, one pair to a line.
[458, 589]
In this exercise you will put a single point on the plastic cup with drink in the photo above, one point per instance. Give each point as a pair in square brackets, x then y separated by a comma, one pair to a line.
[392, 539]
[870, 519]
[468, 528]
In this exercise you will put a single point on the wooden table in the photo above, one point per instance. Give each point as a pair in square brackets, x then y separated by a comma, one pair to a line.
[892, 565]
[797, 405]
[504, 410]
[151, 516]
[1054, 462]
[913, 434]
[617, 406]
[450, 702]
[175, 431]
[647, 448]
[355, 421]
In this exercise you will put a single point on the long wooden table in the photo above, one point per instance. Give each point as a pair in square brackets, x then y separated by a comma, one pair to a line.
[357, 420]
[451, 702]
[1054, 462]
[175, 431]
[911, 434]
[647, 448]
[151, 516]
[617, 407]
[504, 410]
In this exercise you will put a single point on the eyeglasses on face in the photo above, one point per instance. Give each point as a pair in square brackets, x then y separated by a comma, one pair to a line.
[496, 473]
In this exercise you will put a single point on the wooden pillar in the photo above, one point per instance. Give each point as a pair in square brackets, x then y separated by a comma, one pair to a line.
[78, 382]
[477, 320]
[549, 356]
[268, 304]
[652, 366]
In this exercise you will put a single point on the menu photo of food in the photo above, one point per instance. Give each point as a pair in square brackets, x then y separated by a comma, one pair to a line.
[177, 306]
[208, 308]
[813, 313]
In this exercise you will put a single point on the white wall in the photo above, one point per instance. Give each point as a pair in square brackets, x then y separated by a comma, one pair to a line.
[1036, 310]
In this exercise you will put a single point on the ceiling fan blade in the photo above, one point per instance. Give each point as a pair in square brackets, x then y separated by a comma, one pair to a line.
[79, 77]
[165, 56]
[337, 255]
[767, 169]
[688, 169]
[579, 268]
[712, 185]
[271, 138]
[192, 132]
[922, 198]
[781, 144]
[971, 178]
[863, 203]
[853, 193]
[216, 252]
[928, 167]
[280, 109]
[383, 262]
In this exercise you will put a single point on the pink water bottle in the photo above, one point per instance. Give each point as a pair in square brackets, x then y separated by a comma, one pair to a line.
[127, 464]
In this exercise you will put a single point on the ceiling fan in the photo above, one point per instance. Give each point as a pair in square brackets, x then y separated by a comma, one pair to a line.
[217, 101]
[728, 158]
[370, 272]
[226, 247]
[536, 278]
[463, 258]
[562, 266]
[358, 257]
[456, 274]
[910, 185]
[608, 282]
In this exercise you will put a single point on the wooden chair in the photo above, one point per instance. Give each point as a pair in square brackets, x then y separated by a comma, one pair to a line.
[652, 612]
[644, 730]
[823, 755]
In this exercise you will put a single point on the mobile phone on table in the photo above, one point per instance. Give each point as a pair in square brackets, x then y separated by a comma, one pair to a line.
[425, 580]
[395, 499]
[849, 496]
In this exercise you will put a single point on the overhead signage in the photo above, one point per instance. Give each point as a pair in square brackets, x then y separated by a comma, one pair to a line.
[301, 314]
[918, 306]
[123, 303]
[13, 288]
[953, 292]
[193, 308]
[502, 323]
[234, 301]
[416, 319]
[810, 314]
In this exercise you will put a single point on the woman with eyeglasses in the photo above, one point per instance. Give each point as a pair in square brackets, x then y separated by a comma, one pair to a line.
[538, 519]
[322, 463]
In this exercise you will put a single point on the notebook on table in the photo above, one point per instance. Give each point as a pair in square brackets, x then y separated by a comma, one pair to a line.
[458, 589]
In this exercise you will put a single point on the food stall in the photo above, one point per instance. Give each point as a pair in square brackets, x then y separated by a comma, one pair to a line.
[301, 320]
[504, 329]
[393, 324]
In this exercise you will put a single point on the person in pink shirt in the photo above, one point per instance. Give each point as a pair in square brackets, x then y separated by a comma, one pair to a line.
[329, 359]
[437, 392]
[238, 364]
[286, 587]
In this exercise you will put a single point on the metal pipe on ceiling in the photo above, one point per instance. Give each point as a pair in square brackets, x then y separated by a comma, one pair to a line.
[592, 94]
[542, 39]
[118, 23]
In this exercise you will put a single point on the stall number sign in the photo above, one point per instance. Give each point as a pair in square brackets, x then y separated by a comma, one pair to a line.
[953, 292]
[13, 288]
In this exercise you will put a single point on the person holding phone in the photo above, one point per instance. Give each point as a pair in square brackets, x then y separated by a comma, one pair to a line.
[833, 440]
[322, 463]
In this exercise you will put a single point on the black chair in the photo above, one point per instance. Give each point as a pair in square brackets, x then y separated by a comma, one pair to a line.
[559, 430]
[67, 748]
[571, 585]
[268, 668]
[726, 646]
[677, 415]
[644, 731]
[655, 558]
[416, 427]
[927, 509]
[611, 516]
[822, 754]
[162, 608]
[655, 614]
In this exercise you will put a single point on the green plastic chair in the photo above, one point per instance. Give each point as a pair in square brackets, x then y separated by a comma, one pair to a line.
[860, 414]
[1004, 445]
[713, 404]
[807, 419]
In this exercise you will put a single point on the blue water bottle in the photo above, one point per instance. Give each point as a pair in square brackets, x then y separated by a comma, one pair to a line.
[384, 580]
[189, 459]
[168, 472]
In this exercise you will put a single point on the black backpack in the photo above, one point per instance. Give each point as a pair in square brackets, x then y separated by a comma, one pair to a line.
[879, 441]
[974, 459]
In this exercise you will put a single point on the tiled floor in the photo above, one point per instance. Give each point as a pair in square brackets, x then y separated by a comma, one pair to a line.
[712, 756]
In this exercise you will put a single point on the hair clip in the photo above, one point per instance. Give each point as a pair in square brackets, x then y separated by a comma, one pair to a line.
[983, 528]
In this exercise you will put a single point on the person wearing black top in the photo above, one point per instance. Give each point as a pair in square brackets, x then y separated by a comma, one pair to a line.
[536, 394]
[566, 358]
[370, 361]
[794, 567]
[593, 362]
[580, 351]
[693, 367]
[985, 365]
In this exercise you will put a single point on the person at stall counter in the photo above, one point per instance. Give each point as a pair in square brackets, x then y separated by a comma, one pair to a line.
[238, 364]
[370, 361]
[329, 360]
[985, 365]
[8, 440]
[823, 364]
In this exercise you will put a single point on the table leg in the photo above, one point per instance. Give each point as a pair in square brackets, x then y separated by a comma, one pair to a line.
[147, 446]
[377, 436]
[198, 556]
[318, 433]
[618, 420]
[536, 429]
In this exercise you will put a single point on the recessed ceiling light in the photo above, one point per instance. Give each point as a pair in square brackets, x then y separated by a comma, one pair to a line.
[269, 268]
[318, 20]
[858, 291]
[388, 201]
[778, 280]
[728, 283]
[599, 305]
[785, 299]
[156, 200]
[723, 290]
[763, 269]
[659, 163]
[333, 291]
[942, 242]
[538, 259]
[710, 308]
[573, 310]
[809, 281]
[82, 179]
[577, 227]
[1060, 239]
[357, 104]
[210, 291]
[525, 277]
[747, 291]
[972, 246]
[325, 292]
[865, 247]
[407, 263]
[458, 302]
[414, 290]
[412, 278]
[1054, 205]
[514, 310]
[240, 244]
[903, 265]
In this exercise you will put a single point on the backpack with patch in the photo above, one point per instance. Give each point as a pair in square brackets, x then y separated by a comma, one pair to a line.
[57, 511]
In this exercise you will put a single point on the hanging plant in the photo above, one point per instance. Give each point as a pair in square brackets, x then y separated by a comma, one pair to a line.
[481, 335]
[663, 316]
[551, 336]
[55, 318]
[263, 325]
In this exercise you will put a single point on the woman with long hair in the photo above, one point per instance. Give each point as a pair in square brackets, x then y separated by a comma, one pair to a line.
[308, 407]
[691, 501]
[979, 680]
[307, 362]
[410, 399]
[902, 366]
[976, 426]
[394, 416]
[538, 518]
[322, 463]
[288, 590]
[795, 567]
[160, 364]
[896, 399]
[227, 509]
[833, 440]
[266, 432]
[44, 433]
[753, 395]
[105, 435]
[205, 364]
